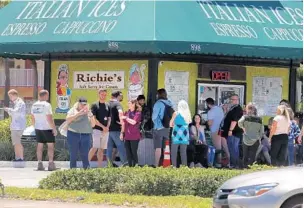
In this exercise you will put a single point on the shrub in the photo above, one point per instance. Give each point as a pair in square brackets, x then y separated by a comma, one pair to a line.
[141, 181]
[5, 132]
[7, 152]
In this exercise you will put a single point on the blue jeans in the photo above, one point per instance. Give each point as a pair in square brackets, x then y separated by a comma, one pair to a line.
[291, 153]
[114, 139]
[79, 142]
[233, 146]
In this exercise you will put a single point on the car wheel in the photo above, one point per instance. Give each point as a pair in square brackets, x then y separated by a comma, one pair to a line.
[293, 202]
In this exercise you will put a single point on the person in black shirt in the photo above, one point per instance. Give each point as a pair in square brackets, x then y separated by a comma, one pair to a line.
[115, 131]
[102, 115]
[231, 131]
[146, 121]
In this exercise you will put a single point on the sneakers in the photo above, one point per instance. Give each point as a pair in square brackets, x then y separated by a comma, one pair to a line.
[218, 165]
[198, 165]
[18, 160]
[40, 166]
[51, 166]
[191, 165]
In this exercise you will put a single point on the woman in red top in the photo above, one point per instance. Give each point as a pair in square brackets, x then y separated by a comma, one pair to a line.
[131, 130]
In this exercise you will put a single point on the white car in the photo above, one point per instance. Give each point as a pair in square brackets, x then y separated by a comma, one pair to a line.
[277, 188]
[29, 134]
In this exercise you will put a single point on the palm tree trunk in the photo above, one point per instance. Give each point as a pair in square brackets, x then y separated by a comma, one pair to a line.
[35, 90]
[7, 85]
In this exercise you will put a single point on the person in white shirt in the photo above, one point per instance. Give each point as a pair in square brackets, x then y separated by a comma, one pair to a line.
[18, 124]
[279, 136]
[42, 119]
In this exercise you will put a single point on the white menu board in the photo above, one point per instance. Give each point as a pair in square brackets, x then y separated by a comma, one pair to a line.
[177, 86]
[267, 94]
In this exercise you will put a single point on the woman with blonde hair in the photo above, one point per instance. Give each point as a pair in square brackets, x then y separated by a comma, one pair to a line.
[80, 122]
[180, 135]
[279, 136]
[253, 131]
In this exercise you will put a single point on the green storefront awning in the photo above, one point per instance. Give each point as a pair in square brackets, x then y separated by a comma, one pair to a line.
[267, 29]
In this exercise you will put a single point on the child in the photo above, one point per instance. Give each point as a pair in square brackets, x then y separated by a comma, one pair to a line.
[265, 145]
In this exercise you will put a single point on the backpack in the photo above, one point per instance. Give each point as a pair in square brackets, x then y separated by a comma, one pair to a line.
[168, 112]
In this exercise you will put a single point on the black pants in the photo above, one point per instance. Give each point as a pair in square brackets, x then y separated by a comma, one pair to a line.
[197, 154]
[249, 153]
[131, 150]
[279, 145]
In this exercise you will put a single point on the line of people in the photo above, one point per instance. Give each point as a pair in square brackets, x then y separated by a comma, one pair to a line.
[112, 128]
[231, 131]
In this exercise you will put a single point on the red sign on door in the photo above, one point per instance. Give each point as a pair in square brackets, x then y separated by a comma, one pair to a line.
[223, 76]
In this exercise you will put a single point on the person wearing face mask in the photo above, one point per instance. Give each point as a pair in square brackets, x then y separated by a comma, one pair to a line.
[81, 120]
[231, 131]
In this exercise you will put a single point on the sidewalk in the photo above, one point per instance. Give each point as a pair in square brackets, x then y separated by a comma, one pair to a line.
[29, 177]
[22, 178]
[7, 203]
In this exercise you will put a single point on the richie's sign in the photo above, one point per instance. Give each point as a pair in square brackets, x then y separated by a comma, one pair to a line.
[98, 79]
[101, 17]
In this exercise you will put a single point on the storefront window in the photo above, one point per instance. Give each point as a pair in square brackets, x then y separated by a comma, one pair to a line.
[221, 93]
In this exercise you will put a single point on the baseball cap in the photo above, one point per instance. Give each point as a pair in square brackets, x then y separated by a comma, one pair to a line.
[82, 100]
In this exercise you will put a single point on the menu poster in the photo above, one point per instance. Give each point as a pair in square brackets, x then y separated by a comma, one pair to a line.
[177, 86]
[267, 94]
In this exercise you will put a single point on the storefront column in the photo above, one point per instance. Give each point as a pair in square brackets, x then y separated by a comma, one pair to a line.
[47, 75]
[292, 85]
[153, 81]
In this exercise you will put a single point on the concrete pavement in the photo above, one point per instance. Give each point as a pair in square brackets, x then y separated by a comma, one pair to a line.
[7, 203]
[22, 178]
[29, 178]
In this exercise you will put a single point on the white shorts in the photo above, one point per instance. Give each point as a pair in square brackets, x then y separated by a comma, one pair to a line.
[100, 139]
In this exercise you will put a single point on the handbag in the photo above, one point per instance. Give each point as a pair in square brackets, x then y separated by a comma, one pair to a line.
[63, 129]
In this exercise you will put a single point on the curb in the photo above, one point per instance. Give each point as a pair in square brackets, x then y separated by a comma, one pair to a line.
[59, 164]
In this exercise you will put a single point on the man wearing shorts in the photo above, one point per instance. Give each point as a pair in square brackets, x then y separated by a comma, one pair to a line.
[42, 119]
[101, 112]
[215, 117]
[18, 124]
[160, 133]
